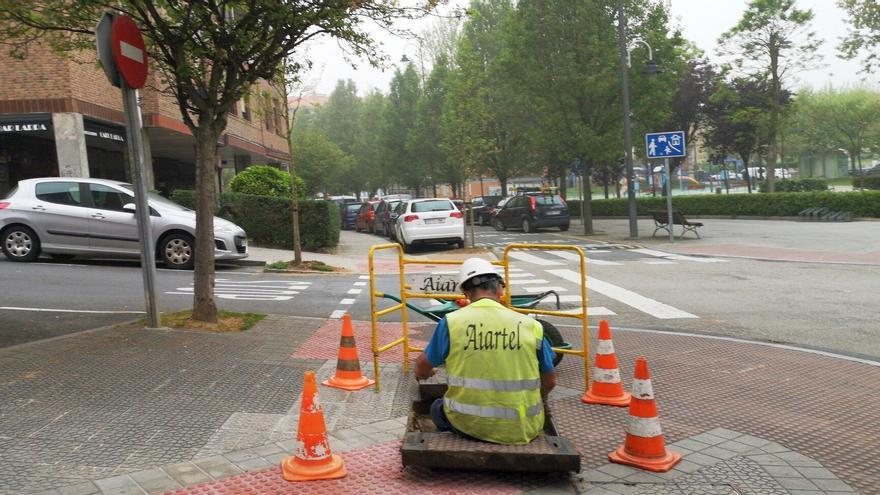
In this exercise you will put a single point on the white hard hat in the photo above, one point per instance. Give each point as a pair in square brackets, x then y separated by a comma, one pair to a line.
[473, 267]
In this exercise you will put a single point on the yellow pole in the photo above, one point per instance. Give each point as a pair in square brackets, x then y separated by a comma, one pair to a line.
[373, 321]
[402, 266]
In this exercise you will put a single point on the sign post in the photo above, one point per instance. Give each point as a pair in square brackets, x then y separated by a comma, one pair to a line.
[117, 35]
[666, 145]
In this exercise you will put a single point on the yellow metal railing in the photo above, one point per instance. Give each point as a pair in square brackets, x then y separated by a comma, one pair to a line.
[504, 262]
[584, 352]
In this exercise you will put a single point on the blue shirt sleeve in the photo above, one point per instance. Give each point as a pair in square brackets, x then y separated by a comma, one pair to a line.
[438, 347]
[545, 357]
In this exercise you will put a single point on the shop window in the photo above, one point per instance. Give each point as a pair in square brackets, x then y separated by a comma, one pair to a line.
[62, 193]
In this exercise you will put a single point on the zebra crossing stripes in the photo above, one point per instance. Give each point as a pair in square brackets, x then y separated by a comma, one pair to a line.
[535, 260]
[644, 304]
[251, 290]
[572, 256]
[538, 290]
[679, 257]
[528, 281]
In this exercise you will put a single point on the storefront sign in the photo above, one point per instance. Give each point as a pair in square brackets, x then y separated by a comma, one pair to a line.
[106, 135]
[23, 127]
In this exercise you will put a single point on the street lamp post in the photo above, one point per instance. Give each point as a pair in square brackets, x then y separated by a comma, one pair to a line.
[625, 64]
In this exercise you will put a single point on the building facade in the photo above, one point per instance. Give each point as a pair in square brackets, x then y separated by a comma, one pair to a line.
[61, 117]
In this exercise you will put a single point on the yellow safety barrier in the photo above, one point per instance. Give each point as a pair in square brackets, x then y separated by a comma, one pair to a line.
[504, 262]
[585, 335]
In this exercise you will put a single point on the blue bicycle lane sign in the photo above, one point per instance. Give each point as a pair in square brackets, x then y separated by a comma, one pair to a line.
[665, 144]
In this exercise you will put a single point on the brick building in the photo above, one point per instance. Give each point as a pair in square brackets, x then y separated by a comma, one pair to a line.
[61, 117]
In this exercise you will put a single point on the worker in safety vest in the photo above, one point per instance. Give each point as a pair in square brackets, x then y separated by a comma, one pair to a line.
[499, 366]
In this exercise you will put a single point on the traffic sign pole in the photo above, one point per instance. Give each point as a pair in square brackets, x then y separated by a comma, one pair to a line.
[123, 57]
[135, 142]
[668, 199]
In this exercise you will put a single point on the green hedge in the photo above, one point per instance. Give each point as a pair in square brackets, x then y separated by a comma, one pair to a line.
[861, 204]
[797, 185]
[267, 220]
[867, 181]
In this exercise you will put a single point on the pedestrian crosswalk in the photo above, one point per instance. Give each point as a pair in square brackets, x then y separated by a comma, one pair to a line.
[537, 271]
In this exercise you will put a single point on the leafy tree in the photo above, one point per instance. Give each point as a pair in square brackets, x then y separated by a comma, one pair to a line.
[846, 119]
[210, 54]
[423, 141]
[737, 117]
[318, 160]
[402, 165]
[773, 39]
[368, 171]
[338, 118]
[482, 125]
[864, 33]
[264, 180]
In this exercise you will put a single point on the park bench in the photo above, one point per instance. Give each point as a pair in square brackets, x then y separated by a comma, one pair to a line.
[661, 222]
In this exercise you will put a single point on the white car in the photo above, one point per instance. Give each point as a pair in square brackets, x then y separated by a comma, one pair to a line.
[429, 221]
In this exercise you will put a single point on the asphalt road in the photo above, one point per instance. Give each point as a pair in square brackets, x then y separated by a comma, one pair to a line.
[824, 306]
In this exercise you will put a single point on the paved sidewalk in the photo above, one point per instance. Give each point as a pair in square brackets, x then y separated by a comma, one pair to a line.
[124, 410]
[778, 240]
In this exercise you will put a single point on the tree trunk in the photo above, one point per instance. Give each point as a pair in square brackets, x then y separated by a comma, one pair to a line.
[586, 205]
[503, 181]
[204, 308]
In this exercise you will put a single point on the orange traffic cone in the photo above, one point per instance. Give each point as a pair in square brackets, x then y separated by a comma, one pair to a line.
[644, 446]
[348, 368]
[312, 459]
[606, 388]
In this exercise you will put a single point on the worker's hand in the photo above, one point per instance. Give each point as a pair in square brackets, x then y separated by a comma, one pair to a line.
[423, 369]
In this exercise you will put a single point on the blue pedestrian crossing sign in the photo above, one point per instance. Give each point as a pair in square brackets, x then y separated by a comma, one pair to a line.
[665, 144]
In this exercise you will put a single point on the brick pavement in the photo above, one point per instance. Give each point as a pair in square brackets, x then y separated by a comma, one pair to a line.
[129, 411]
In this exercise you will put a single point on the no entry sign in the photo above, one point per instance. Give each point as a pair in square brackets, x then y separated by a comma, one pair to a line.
[129, 51]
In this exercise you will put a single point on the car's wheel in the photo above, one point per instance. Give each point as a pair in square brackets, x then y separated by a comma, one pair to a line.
[499, 225]
[460, 244]
[20, 243]
[527, 226]
[563, 228]
[555, 337]
[177, 251]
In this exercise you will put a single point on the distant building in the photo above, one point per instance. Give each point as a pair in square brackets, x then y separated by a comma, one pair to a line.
[61, 117]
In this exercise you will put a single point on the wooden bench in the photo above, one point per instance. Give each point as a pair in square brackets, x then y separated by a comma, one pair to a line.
[661, 222]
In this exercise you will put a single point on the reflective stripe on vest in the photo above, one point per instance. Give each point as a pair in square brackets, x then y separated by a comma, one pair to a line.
[499, 385]
[490, 412]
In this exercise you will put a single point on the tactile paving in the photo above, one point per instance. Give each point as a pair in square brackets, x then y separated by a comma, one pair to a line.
[324, 343]
[377, 470]
[819, 406]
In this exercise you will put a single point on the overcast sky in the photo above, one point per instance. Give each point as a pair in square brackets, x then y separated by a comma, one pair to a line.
[702, 21]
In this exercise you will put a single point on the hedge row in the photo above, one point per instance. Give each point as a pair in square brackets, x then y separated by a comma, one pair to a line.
[861, 204]
[867, 181]
[268, 222]
[797, 185]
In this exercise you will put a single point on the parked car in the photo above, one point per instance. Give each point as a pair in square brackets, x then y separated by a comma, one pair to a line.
[429, 221]
[366, 216]
[349, 213]
[531, 211]
[65, 217]
[484, 208]
[385, 216]
[392, 229]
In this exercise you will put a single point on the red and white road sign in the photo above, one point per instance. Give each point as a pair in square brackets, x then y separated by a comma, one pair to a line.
[129, 51]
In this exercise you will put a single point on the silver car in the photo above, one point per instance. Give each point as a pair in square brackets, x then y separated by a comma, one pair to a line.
[65, 217]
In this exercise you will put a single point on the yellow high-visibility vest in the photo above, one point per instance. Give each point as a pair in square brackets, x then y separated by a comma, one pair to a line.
[492, 371]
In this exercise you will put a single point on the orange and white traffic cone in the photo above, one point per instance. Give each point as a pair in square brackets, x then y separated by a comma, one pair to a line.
[644, 446]
[606, 388]
[312, 459]
[348, 368]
